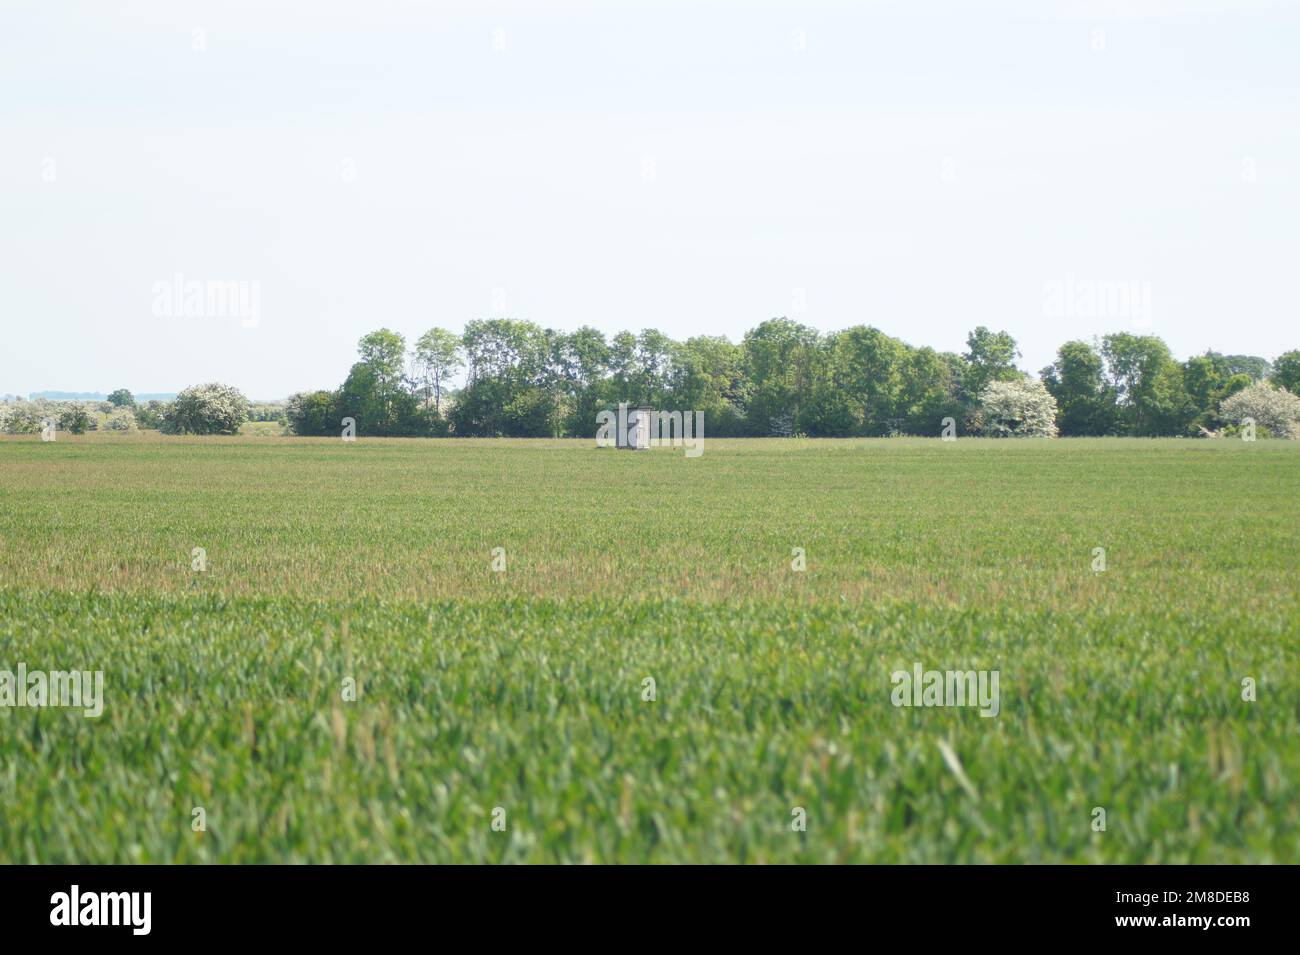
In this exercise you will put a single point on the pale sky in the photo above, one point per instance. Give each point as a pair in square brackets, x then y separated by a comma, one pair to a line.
[695, 167]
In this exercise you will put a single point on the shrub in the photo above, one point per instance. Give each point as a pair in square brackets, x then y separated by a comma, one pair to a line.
[1021, 408]
[74, 418]
[313, 413]
[24, 417]
[121, 418]
[206, 409]
[1274, 409]
[150, 415]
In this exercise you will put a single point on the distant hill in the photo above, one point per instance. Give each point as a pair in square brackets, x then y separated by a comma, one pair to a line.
[95, 396]
[100, 396]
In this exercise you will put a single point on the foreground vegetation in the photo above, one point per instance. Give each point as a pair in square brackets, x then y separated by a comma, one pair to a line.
[525, 689]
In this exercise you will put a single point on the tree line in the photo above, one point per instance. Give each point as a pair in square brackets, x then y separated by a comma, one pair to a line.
[783, 378]
[505, 377]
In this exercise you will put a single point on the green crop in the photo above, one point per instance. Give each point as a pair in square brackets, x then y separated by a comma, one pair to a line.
[349, 679]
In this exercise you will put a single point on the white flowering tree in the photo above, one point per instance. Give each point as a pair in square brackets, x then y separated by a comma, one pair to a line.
[120, 419]
[206, 409]
[1273, 408]
[27, 417]
[1020, 409]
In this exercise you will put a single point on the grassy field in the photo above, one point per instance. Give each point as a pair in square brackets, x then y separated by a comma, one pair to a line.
[523, 690]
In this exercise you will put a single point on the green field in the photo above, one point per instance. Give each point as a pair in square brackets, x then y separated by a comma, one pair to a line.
[523, 689]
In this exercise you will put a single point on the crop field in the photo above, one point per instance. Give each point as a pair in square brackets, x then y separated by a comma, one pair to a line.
[491, 650]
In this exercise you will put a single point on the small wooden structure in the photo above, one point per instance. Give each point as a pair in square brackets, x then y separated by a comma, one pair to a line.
[640, 425]
[632, 429]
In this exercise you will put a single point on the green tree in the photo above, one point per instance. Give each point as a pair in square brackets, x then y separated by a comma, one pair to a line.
[376, 391]
[866, 368]
[379, 407]
[930, 391]
[1286, 371]
[122, 399]
[1171, 410]
[710, 379]
[513, 387]
[1085, 405]
[74, 417]
[990, 356]
[1208, 380]
[437, 358]
[1254, 367]
[313, 413]
[580, 360]
[828, 409]
[655, 369]
[779, 359]
[1203, 379]
[1137, 371]
[624, 381]
[384, 353]
[504, 348]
